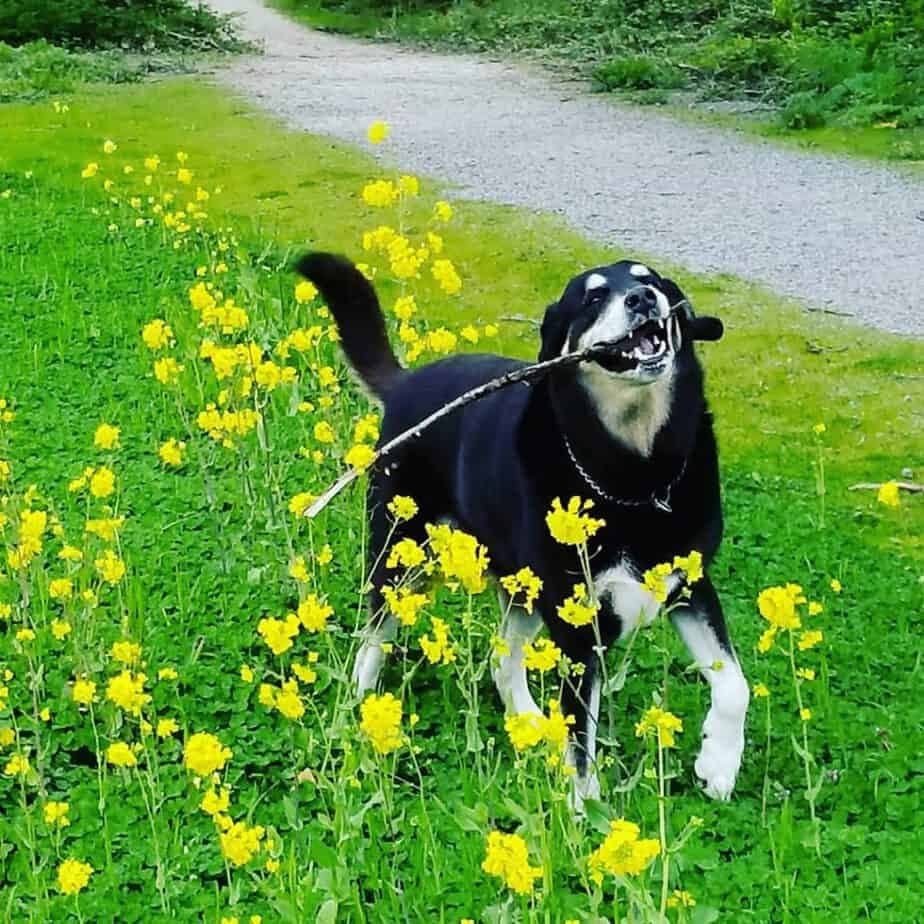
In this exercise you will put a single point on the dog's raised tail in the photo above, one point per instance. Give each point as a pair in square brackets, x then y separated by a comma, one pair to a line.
[356, 309]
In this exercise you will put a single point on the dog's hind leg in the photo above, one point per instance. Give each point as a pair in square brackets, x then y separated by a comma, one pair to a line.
[518, 627]
[702, 627]
[370, 658]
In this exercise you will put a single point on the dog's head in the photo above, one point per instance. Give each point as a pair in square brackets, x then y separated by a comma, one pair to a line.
[631, 304]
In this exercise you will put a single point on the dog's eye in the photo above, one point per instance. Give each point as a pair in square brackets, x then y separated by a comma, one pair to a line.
[596, 295]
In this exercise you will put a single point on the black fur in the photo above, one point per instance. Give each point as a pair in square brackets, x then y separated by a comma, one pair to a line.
[495, 466]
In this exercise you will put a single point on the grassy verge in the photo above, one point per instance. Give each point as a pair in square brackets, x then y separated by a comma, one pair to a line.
[829, 74]
[209, 545]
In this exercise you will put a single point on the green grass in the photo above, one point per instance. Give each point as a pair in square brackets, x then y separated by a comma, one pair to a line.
[207, 548]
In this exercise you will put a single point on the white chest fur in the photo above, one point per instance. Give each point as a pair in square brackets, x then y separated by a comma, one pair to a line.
[622, 591]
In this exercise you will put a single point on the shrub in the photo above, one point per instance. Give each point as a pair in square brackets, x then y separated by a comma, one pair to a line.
[108, 23]
[638, 72]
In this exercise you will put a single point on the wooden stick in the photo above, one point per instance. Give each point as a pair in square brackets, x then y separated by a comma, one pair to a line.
[909, 486]
[524, 374]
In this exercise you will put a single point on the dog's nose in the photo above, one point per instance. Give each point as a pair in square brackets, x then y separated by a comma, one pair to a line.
[643, 300]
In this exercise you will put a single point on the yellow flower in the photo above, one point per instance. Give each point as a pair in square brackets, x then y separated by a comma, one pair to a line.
[305, 292]
[55, 813]
[507, 857]
[60, 589]
[288, 702]
[246, 673]
[574, 610]
[778, 606]
[404, 604]
[523, 582]
[409, 185]
[216, 802]
[25, 635]
[83, 692]
[184, 176]
[106, 436]
[469, 333]
[360, 456]
[314, 614]
[90, 170]
[324, 432]
[381, 722]
[572, 526]
[691, 565]
[17, 765]
[442, 211]
[171, 452]
[73, 876]
[240, 842]
[106, 529]
[204, 754]
[109, 147]
[407, 553]
[805, 714]
[126, 652]
[809, 639]
[662, 723]
[446, 276]
[805, 673]
[70, 553]
[156, 334]
[167, 370]
[836, 585]
[888, 494]
[761, 690]
[622, 852]
[405, 308]
[127, 692]
[380, 193]
[683, 899]
[121, 755]
[7, 737]
[167, 727]
[60, 629]
[461, 557]
[541, 656]
[304, 673]
[110, 567]
[300, 503]
[102, 482]
[152, 163]
[438, 650]
[278, 633]
[378, 131]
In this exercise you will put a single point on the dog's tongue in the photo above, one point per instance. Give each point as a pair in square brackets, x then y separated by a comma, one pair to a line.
[647, 345]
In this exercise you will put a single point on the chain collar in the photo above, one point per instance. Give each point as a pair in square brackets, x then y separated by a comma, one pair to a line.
[661, 500]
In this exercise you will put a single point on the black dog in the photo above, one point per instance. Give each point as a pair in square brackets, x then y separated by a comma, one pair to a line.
[631, 431]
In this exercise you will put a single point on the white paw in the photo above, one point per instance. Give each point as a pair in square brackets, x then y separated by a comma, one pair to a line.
[718, 763]
[367, 667]
[582, 788]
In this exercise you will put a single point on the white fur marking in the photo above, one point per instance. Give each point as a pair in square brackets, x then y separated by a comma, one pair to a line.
[631, 413]
[370, 657]
[627, 596]
[723, 730]
[518, 628]
[639, 269]
[586, 786]
[594, 281]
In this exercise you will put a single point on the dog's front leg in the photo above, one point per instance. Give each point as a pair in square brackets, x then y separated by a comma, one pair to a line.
[702, 627]
[518, 627]
[581, 698]
[371, 657]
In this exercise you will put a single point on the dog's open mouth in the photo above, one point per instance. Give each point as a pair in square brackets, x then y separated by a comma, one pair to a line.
[646, 348]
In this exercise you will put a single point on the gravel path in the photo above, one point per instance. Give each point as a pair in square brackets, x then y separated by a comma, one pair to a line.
[830, 231]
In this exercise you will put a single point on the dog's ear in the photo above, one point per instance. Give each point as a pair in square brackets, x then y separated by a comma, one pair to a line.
[553, 332]
[697, 328]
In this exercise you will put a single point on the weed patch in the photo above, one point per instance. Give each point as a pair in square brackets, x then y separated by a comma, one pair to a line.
[178, 736]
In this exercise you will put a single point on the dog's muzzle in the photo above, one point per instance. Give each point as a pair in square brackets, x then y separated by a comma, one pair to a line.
[648, 348]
